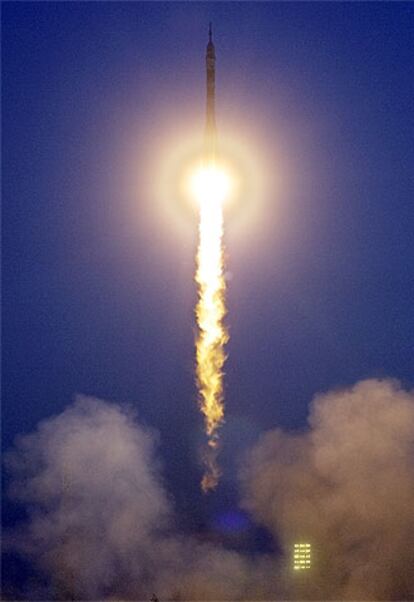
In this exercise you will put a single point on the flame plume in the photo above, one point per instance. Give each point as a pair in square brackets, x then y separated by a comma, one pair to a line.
[210, 187]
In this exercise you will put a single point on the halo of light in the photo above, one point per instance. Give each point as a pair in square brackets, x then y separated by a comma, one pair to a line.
[210, 183]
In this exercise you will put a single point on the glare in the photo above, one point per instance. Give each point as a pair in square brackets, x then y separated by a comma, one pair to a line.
[210, 183]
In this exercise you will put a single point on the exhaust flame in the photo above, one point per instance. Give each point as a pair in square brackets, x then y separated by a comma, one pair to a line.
[210, 187]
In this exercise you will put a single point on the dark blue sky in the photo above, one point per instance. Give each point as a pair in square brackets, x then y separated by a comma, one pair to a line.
[322, 284]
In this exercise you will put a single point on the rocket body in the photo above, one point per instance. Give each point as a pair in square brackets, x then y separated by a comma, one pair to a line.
[210, 133]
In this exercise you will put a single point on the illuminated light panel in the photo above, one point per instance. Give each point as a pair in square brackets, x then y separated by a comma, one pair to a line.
[301, 556]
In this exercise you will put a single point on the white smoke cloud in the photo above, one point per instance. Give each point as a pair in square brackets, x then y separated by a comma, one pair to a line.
[347, 486]
[98, 500]
[101, 524]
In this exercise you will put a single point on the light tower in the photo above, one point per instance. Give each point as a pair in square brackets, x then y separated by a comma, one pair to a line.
[301, 556]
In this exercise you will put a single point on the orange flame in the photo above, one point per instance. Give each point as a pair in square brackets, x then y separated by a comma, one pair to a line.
[211, 186]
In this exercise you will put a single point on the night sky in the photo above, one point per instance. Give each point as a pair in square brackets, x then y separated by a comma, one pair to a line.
[98, 289]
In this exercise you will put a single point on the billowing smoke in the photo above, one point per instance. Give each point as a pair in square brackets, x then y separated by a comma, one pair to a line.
[347, 486]
[90, 473]
[101, 525]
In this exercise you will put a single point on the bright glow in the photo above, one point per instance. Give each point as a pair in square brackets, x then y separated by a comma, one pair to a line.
[210, 184]
[210, 187]
[301, 556]
[173, 155]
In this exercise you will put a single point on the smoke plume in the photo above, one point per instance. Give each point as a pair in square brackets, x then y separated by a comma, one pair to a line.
[101, 525]
[91, 476]
[347, 486]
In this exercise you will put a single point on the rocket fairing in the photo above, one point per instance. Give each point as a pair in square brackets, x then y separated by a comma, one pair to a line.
[210, 133]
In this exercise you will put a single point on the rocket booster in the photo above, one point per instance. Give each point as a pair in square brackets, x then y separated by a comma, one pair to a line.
[210, 134]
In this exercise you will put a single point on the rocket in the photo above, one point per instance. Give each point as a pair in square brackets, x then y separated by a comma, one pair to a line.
[210, 133]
